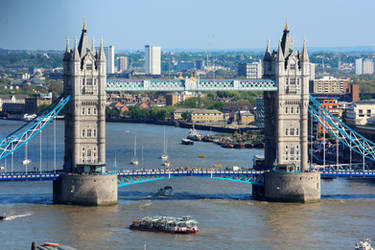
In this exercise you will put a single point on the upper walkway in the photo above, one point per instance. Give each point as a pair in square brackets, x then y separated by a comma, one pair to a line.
[191, 84]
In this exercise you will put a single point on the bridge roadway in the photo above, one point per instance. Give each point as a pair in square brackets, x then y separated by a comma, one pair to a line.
[130, 177]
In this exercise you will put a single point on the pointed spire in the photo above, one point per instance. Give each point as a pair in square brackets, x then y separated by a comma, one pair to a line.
[305, 55]
[84, 25]
[67, 50]
[280, 56]
[101, 52]
[267, 54]
[84, 44]
[93, 50]
[286, 24]
[76, 56]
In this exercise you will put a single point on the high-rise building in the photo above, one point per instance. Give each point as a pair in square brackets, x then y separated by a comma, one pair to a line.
[199, 64]
[312, 71]
[358, 66]
[368, 66]
[122, 63]
[251, 70]
[152, 60]
[110, 55]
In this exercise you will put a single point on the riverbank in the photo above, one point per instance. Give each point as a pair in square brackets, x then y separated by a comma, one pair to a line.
[181, 124]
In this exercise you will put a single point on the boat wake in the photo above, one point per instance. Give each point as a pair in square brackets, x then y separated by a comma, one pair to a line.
[13, 217]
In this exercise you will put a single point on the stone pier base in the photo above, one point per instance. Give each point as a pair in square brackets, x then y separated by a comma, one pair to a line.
[89, 190]
[289, 187]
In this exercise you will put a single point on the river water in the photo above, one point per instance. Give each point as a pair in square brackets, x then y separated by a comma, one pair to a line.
[228, 217]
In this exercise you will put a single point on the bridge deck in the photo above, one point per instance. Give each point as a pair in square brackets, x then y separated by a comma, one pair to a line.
[47, 176]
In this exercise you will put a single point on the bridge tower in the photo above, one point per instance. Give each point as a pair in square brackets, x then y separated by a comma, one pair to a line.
[286, 130]
[84, 181]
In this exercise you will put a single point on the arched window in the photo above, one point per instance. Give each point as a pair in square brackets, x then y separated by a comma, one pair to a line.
[89, 152]
[89, 133]
[286, 131]
[83, 132]
[89, 111]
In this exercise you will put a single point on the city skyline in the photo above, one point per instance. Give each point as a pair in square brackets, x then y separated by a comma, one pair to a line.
[212, 25]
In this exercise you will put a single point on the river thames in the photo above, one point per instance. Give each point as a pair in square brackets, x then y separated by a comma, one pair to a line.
[228, 216]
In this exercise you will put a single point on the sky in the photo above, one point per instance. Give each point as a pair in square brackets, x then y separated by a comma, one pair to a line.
[189, 24]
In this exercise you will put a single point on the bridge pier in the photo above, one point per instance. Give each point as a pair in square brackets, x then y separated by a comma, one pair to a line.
[289, 187]
[88, 190]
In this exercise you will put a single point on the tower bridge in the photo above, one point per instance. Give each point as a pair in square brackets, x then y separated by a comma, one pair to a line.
[286, 174]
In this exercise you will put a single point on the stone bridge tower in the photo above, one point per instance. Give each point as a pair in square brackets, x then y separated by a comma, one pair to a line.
[84, 161]
[85, 80]
[286, 130]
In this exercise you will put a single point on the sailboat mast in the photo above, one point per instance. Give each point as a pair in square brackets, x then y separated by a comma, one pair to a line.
[135, 146]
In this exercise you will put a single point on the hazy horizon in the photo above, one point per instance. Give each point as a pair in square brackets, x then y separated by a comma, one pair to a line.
[194, 25]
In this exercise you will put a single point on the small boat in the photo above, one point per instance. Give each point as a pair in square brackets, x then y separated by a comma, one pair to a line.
[167, 164]
[165, 191]
[187, 142]
[50, 246]
[164, 156]
[2, 217]
[202, 156]
[364, 245]
[183, 225]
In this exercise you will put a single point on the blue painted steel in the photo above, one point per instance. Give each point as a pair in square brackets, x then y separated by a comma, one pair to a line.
[51, 114]
[337, 120]
[322, 113]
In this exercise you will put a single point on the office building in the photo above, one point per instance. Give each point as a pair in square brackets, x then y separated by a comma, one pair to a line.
[110, 55]
[330, 85]
[358, 66]
[368, 66]
[251, 70]
[359, 113]
[152, 60]
[122, 64]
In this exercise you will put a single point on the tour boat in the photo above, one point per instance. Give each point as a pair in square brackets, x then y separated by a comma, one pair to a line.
[184, 225]
[2, 217]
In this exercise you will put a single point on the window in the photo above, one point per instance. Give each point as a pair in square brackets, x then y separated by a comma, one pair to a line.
[286, 131]
[286, 110]
[291, 110]
[89, 152]
[89, 66]
[296, 131]
[83, 111]
[89, 133]
[292, 131]
[94, 132]
[89, 111]
[89, 81]
[83, 133]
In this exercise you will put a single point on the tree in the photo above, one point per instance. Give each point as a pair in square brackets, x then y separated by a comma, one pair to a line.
[185, 115]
